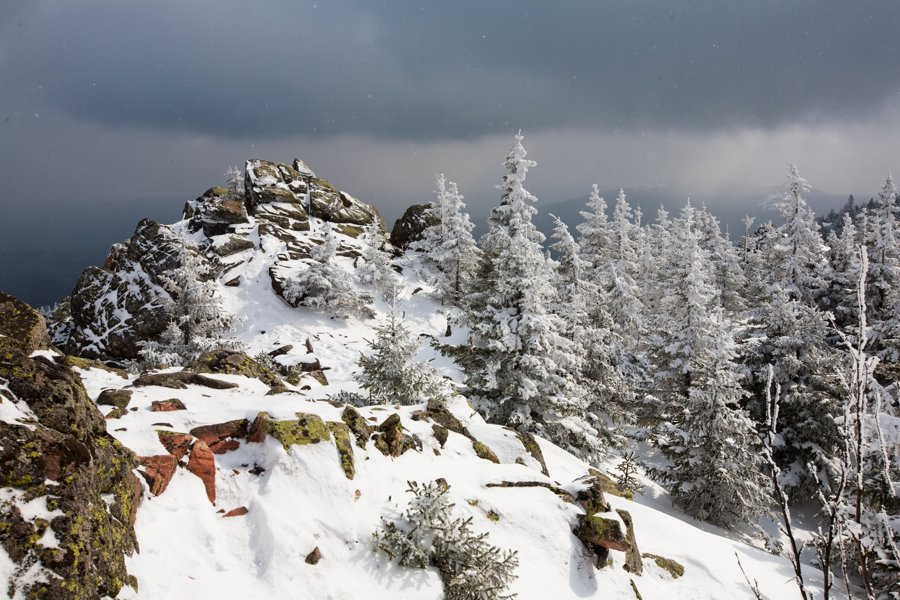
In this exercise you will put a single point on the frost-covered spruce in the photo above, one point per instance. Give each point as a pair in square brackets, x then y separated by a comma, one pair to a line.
[798, 261]
[429, 535]
[449, 244]
[524, 369]
[199, 319]
[709, 442]
[581, 307]
[326, 286]
[375, 265]
[388, 372]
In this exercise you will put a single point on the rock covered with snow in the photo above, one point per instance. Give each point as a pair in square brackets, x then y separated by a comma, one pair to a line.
[126, 301]
[123, 302]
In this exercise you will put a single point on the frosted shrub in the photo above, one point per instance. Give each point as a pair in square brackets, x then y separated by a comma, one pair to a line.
[428, 535]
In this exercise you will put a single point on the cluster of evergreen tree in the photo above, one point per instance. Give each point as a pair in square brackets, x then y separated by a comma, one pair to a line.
[667, 332]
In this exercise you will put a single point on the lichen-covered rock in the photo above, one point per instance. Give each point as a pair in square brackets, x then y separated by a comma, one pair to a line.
[341, 434]
[234, 363]
[65, 442]
[633, 563]
[391, 440]
[307, 429]
[410, 227]
[672, 567]
[602, 530]
[21, 325]
[533, 449]
[357, 424]
[591, 498]
[609, 486]
[484, 452]
[175, 443]
[441, 433]
[231, 244]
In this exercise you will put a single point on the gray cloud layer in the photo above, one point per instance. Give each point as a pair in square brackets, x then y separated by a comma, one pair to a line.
[453, 69]
[114, 110]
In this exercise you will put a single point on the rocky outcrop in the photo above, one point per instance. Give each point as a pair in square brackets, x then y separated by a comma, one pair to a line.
[117, 398]
[410, 227]
[58, 454]
[115, 307]
[124, 302]
[216, 212]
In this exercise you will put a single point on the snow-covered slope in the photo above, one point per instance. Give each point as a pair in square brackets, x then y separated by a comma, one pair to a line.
[299, 498]
[294, 498]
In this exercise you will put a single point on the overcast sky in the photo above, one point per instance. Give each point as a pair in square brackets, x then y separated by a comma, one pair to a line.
[114, 110]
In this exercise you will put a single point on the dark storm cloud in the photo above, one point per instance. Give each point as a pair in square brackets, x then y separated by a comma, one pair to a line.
[452, 69]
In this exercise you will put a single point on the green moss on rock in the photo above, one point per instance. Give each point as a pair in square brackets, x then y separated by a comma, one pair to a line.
[672, 567]
[307, 429]
[357, 424]
[341, 434]
[483, 451]
[609, 486]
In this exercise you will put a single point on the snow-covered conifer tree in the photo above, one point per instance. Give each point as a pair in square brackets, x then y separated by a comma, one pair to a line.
[595, 235]
[389, 372]
[325, 285]
[799, 260]
[234, 182]
[524, 370]
[579, 304]
[709, 441]
[449, 244]
[199, 319]
[375, 264]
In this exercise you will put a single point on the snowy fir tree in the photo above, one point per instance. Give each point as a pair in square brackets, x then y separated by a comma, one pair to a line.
[199, 320]
[582, 311]
[448, 243]
[374, 266]
[428, 535]
[710, 443]
[325, 285]
[523, 371]
[388, 372]
[595, 235]
[799, 252]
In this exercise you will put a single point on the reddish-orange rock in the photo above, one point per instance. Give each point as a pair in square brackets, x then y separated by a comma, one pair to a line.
[223, 446]
[220, 431]
[202, 463]
[175, 443]
[158, 471]
[236, 512]
[258, 428]
[167, 405]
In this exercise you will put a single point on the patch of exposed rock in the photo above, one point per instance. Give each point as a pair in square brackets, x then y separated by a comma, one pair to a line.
[411, 225]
